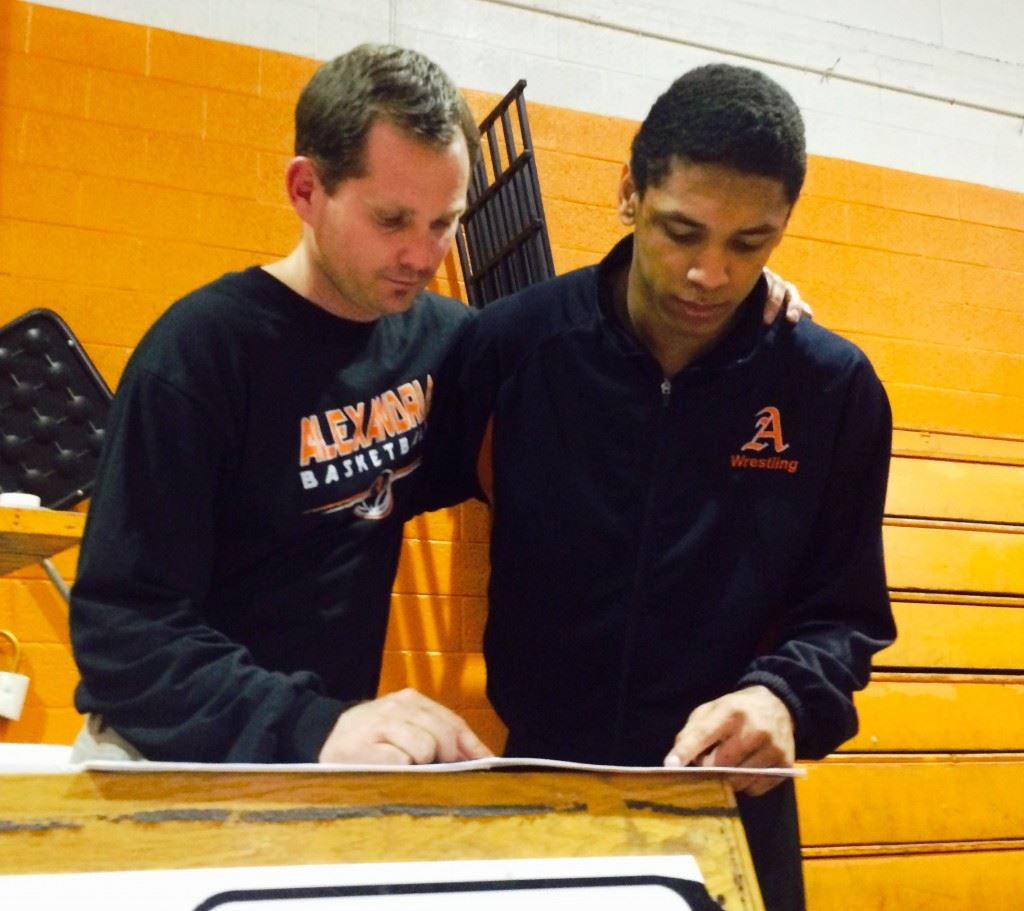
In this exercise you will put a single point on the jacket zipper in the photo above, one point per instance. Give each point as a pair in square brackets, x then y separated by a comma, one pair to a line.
[637, 590]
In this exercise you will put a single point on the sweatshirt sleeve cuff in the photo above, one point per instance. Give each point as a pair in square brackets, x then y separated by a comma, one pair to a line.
[314, 717]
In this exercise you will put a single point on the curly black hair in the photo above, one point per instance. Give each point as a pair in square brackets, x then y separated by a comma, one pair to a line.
[726, 115]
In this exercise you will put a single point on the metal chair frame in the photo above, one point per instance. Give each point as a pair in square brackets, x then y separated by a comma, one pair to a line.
[503, 238]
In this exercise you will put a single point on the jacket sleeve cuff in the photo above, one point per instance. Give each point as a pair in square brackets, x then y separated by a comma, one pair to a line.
[783, 690]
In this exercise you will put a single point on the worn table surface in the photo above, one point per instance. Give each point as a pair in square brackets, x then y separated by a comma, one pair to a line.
[31, 535]
[116, 821]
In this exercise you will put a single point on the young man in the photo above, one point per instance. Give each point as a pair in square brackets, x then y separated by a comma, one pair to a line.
[235, 575]
[687, 502]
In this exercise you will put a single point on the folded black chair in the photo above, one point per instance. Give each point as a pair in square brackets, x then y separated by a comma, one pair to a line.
[53, 410]
[503, 238]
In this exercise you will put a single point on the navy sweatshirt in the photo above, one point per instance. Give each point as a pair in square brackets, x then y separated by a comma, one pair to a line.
[235, 574]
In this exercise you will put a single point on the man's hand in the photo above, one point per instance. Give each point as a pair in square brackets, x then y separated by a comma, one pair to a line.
[784, 294]
[751, 728]
[403, 728]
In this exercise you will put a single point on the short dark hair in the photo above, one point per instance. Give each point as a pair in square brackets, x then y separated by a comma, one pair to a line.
[727, 115]
[348, 94]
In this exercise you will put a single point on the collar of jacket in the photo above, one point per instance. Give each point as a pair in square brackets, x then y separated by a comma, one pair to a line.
[747, 333]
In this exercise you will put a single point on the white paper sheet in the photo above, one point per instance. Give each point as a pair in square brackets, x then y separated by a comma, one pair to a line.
[470, 765]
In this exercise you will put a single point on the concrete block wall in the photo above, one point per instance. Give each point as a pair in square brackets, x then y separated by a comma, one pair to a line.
[140, 156]
[930, 86]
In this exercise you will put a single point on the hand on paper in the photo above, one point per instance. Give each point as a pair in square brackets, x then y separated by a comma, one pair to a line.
[750, 728]
[403, 728]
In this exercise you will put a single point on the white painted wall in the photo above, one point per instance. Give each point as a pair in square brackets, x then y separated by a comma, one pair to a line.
[932, 86]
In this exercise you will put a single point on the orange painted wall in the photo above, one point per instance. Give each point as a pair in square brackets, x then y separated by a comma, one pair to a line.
[136, 164]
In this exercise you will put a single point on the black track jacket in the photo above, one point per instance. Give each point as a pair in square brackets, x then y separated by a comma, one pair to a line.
[657, 543]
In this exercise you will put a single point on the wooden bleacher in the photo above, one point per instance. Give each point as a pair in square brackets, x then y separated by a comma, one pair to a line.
[924, 809]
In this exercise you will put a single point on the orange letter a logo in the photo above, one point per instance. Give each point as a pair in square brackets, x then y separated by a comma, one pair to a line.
[769, 427]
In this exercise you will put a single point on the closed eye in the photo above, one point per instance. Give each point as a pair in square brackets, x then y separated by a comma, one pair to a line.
[443, 225]
[742, 245]
[682, 237]
[390, 221]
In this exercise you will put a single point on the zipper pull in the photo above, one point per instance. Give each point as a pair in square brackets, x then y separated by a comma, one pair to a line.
[666, 391]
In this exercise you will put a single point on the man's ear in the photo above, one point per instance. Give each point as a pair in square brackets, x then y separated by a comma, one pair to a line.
[302, 183]
[629, 199]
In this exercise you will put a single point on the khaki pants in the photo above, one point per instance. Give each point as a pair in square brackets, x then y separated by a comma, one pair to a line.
[98, 740]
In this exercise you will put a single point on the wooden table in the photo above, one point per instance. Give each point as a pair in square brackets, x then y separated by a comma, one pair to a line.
[91, 821]
[32, 535]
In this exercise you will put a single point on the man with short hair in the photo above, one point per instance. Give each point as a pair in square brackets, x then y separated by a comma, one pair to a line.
[686, 557]
[235, 574]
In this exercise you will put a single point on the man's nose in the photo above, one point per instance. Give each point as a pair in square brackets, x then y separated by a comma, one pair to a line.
[422, 253]
[709, 270]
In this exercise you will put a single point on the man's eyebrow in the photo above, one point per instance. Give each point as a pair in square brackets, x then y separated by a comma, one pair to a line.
[398, 211]
[391, 209]
[681, 219]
